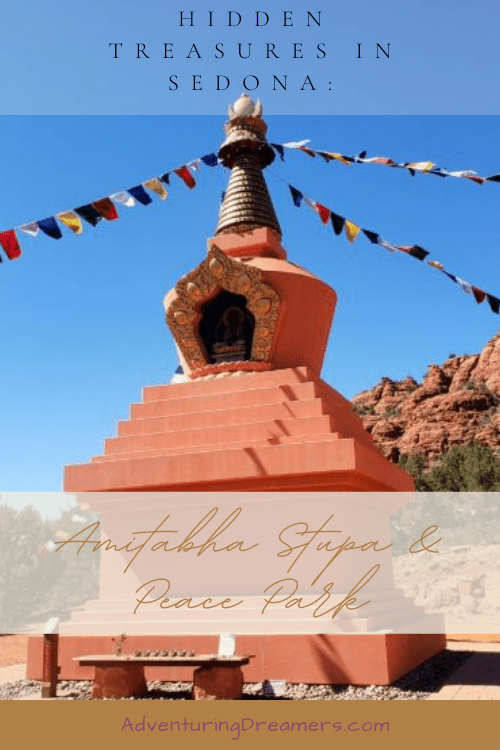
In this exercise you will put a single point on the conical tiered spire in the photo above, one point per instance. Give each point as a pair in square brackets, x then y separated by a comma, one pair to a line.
[247, 204]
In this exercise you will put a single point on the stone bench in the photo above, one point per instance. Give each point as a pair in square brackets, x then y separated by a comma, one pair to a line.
[215, 677]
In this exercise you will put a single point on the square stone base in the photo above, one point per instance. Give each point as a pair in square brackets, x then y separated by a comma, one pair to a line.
[313, 659]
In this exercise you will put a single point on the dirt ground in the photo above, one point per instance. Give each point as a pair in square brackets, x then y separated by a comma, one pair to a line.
[463, 585]
[13, 649]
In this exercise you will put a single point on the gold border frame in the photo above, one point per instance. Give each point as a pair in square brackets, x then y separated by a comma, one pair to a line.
[219, 271]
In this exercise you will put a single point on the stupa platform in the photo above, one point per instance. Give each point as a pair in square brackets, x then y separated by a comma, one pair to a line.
[312, 658]
[281, 430]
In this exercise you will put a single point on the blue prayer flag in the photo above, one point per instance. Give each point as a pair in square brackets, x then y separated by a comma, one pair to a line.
[372, 236]
[494, 303]
[50, 227]
[296, 196]
[90, 214]
[140, 195]
[279, 148]
[210, 160]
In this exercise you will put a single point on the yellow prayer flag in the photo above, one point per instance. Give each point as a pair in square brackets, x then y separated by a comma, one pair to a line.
[421, 166]
[351, 230]
[435, 264]
[71, 220]
[337, 157]
[156, 186]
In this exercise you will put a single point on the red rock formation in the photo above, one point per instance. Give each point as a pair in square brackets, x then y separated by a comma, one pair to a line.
[457, 403]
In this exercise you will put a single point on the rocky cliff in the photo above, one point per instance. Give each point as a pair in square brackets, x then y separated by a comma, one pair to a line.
[457, 403]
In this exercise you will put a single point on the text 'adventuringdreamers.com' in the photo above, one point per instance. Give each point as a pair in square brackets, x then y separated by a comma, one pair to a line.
[238, 728]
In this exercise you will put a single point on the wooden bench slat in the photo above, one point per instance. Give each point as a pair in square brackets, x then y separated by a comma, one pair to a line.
[110, 660]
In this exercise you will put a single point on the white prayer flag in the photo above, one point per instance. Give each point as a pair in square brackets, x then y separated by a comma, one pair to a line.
[296, 144]
[388, 246]
[31, 228]
[124, 198]
[465, 285]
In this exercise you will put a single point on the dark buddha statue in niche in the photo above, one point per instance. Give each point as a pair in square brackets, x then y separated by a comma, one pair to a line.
[226, 328]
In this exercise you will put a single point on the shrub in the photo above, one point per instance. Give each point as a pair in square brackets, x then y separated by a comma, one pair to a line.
[362, 410]
[392, 412]
[473, 519]
[469, 386]
[466, 468]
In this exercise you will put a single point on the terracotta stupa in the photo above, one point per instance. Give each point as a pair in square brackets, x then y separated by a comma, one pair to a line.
[253, 414]
[246, 310]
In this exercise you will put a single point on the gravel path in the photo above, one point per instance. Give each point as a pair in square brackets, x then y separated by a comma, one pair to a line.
[417, 685]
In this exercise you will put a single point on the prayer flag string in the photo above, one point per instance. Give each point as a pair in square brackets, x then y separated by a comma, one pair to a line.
[424, 167]
[352, 230]
[103, 208]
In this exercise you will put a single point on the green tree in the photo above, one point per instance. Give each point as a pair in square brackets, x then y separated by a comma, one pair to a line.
[469, 519]
[36, 583]
[416, 466]
[469, 468]
[25, 576]
[78, 578]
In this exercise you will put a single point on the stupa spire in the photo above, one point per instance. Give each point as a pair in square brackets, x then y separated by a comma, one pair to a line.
[247, 204]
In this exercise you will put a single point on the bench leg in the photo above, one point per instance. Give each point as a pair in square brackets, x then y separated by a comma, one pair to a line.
[124, 681]
[50, 665]
[217, 683]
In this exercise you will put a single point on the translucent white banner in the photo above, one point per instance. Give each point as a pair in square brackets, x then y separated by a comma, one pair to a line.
[253, 563]
[343, 58]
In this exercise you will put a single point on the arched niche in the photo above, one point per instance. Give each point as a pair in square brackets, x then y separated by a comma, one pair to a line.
[223, 292]
[226, 328]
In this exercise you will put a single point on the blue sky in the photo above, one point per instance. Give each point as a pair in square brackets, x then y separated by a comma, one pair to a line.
[81, 321]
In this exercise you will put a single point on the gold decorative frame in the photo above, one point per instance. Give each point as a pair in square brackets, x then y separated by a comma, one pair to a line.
[218, 271]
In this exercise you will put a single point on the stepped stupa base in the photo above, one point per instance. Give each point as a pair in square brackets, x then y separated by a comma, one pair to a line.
[281, 430]
[371, 659]
[278, 430]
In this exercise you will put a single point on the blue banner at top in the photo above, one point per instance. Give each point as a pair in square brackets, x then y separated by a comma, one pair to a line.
[359, 57]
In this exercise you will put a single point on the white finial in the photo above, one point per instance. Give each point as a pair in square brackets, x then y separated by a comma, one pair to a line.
[245, 107]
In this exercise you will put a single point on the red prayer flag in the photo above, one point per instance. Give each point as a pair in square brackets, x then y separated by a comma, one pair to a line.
[383, 160]
[478, 294]
[415, 251]
[478, 180]
[106, 208]
[186, 176]
[9, 242]
[324, 213]
[307, 151]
